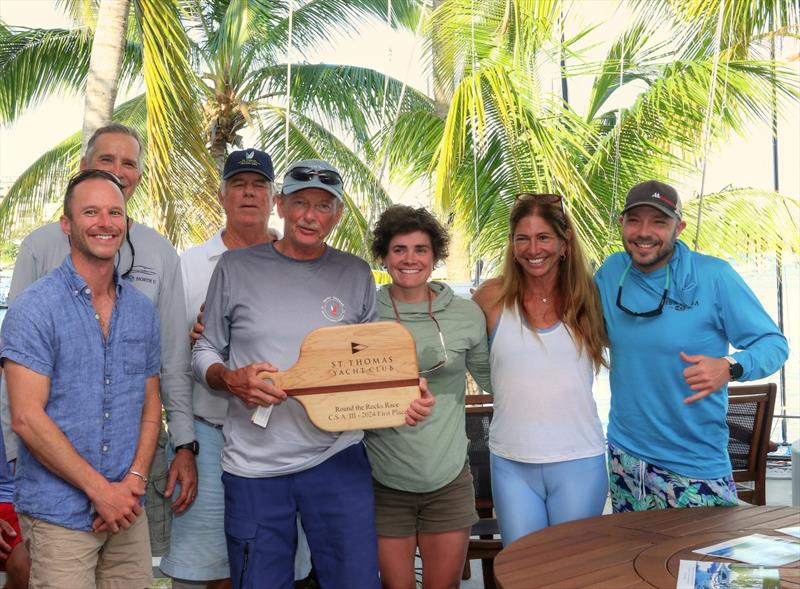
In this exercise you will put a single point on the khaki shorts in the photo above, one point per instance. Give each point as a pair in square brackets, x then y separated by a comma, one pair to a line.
[401, 514]
[62, 558]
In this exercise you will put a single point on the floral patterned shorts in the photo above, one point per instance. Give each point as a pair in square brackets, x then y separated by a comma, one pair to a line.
[638, 486]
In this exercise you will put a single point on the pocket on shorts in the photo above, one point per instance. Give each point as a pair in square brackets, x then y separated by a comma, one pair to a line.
[241, 535]
[159, 513]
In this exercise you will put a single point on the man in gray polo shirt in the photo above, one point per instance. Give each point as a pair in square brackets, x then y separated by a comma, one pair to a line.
[290, 466]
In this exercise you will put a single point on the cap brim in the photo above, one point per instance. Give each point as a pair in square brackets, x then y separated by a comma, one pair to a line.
[233, 173]
[290, 186]
[655, 205]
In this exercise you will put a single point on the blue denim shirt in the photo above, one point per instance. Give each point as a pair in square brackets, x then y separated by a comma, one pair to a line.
[96, 385]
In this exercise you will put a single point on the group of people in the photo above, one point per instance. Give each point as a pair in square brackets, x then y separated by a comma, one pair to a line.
[87, 348]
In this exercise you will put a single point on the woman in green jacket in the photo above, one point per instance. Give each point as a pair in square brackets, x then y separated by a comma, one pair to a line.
[423, 487]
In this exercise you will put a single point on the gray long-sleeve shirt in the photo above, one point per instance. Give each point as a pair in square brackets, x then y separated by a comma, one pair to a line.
[259, 307]
[155, 271]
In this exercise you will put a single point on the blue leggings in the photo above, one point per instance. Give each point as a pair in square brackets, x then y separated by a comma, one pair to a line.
[529, 497]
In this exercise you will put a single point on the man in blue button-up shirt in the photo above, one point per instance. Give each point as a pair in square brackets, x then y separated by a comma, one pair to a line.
[81, 355]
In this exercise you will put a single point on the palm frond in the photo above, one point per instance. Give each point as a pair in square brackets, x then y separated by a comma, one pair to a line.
[744, 220]
[341, 95]
[35, 63]
[177, 157]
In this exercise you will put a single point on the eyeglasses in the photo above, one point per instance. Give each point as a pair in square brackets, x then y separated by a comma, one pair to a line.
[304, 174]
[547, 199]
[301, 204]
[441, 363]
[655, 312]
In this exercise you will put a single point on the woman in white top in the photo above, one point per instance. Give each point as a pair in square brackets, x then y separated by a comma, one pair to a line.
[546, 337]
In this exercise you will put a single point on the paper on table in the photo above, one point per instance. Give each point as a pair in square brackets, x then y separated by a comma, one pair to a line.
[694, 574]
[756, 549]
[792, 531]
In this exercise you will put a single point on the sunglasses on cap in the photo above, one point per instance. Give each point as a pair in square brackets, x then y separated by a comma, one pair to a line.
[304, 174]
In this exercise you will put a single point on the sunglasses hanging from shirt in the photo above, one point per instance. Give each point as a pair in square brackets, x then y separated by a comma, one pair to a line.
[655, 312]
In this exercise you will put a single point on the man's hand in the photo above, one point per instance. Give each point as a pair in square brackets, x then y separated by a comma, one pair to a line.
[5, 547]
[420, 408]
[705, 375]
[182, 470]
[117, 504]
[197, 328]
[249, 387]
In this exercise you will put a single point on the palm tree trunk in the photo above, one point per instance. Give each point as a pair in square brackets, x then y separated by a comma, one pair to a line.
[105, 64]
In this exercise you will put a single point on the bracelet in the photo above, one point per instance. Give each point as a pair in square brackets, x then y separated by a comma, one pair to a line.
[140, 475]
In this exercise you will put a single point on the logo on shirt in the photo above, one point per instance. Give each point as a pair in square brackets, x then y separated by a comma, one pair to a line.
[333, 309]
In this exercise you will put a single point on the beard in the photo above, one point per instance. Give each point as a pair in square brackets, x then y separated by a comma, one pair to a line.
[661, 253]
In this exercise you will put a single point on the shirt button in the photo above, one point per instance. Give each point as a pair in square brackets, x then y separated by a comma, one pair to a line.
[105, 448]
[107, 414]
[97, 316]
[108, 381]
[75, 291]
[88, 290]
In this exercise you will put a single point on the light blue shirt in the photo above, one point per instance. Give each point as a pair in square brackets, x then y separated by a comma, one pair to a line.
[708, 308]
[96, 386]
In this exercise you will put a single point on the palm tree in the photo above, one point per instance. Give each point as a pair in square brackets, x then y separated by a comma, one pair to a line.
[505, 133]
[210, 69]
[105, 65]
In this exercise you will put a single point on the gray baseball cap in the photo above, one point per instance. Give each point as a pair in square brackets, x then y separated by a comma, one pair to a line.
[313, 174]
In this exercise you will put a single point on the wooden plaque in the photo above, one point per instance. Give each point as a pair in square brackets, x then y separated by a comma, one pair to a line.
[361, 376]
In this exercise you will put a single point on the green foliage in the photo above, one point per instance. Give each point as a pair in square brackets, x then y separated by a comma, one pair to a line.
[504, 133]
[211, 68]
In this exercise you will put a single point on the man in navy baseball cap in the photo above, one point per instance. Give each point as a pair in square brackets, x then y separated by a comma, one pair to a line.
[248, 160]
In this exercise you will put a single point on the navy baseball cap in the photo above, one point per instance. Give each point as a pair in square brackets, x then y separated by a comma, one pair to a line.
[248, 160]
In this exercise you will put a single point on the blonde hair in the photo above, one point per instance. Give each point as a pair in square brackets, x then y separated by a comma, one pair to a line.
[579, 305]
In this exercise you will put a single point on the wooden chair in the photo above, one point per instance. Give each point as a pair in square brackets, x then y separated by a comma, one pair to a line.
[749, 420]
[484, 543]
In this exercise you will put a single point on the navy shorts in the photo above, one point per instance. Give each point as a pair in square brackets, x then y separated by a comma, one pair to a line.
[336, 504]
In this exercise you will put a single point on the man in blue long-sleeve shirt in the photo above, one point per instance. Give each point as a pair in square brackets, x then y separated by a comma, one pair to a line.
[672, 315]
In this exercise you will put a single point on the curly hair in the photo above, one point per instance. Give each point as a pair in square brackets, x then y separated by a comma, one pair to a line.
[401, 220]
[578, 301]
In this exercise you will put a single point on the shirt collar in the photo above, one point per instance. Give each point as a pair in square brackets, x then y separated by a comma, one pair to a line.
[216, 247]
[76, 282]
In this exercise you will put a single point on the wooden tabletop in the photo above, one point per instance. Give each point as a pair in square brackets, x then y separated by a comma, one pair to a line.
[641, 549]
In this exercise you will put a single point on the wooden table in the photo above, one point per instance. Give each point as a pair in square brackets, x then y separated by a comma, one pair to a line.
[634, 549]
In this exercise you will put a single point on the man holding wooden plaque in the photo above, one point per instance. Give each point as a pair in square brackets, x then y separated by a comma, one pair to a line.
[262, 302]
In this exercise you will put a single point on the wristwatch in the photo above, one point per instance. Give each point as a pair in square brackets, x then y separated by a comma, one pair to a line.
[194, 446]
[735, 370]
